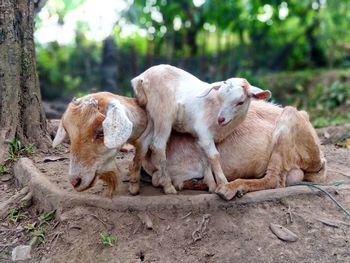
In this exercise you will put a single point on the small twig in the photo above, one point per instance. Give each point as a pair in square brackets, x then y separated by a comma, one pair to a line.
[187, 215]
[137, 229]
[96, 217]
[55, 225]
[198, 233]
[55, 236]
[289, 212]
[160, 217]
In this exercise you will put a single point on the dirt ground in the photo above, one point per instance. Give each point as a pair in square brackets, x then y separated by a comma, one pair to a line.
[237, 234]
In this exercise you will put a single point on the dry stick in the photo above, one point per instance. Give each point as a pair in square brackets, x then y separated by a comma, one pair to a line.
[55, 236]
[198, 233]
[103, 222]
[137, 229]
[13, 199]
[187, 215]
[289, 212]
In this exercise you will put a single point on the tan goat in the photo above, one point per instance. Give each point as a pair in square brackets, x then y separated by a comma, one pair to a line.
[270, 147]
[176, 99]
[98, 125]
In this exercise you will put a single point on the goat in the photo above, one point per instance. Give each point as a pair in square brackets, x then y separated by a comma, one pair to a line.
[176, 99]
[98, 125]
[270, 148]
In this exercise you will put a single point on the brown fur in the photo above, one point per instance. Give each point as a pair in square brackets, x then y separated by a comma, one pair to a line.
[83, 121]
[111, 180]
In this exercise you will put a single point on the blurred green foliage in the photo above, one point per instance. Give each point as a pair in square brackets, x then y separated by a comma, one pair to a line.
[325, 94]
[291, 47]
[70, 69]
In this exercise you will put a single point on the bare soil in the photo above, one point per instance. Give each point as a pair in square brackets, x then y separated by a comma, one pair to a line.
[237, 234]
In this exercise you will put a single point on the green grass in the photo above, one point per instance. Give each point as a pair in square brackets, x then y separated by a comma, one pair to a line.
[324, 94]
[107, 239]
[16, 149]
[3, 169]
[14, 215]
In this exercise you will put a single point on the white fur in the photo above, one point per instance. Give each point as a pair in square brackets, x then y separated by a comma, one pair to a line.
[117, 127]
[60, 135]
[189, 112]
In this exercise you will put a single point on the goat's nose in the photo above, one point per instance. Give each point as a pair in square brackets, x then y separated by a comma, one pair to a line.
[75, 181]
[221, 120]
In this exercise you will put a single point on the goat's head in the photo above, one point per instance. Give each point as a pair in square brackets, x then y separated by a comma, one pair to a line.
[97, 126]
[236, 94]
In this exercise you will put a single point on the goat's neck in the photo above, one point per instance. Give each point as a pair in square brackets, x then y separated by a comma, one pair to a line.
[138, 117]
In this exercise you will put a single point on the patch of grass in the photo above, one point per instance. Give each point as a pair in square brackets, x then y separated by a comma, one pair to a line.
[30, 227]
[38, 231]
[107, 239]
[14, 215]
[3, 169]
[16, 149]
[46, 216]
[39, 234]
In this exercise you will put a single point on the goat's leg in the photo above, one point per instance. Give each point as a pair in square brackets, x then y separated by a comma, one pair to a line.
[242, 186]
[275, 177]
[135, 168]
[158, 147]
[213, 155]
[209, 180]
[141, 148]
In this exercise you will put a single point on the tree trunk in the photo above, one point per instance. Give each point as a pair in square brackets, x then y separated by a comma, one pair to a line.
[21, 112]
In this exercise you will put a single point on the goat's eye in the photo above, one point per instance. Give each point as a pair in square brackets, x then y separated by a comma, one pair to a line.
[240, 103]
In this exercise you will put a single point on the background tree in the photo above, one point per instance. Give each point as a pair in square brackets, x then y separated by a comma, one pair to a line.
[21, 112]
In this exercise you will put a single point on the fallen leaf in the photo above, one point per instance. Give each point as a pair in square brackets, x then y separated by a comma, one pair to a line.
[332, 222]
[283, 233]
[54, 159]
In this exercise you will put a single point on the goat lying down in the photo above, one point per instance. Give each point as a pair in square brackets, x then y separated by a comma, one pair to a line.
[270, 147]
[176, 99]
[98, 125]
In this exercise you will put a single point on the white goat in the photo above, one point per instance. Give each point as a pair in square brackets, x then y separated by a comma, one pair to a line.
[176, 99]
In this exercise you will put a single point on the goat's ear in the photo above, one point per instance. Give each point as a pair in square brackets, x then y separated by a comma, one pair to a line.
[60, 135]
[258, 93]
[117, 127]
[208, 90]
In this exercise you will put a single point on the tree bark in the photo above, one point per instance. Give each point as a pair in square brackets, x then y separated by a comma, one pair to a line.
[21, 112]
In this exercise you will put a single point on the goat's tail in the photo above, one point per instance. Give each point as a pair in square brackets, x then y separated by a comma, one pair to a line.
[139, 84]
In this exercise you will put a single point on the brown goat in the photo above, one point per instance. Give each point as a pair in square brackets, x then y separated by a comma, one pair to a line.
[98, 125]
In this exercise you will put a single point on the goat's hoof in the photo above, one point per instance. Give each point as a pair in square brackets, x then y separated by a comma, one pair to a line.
[170, 190]
[134, 189]
[212, 189]
[155, 181]
[225, 193]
